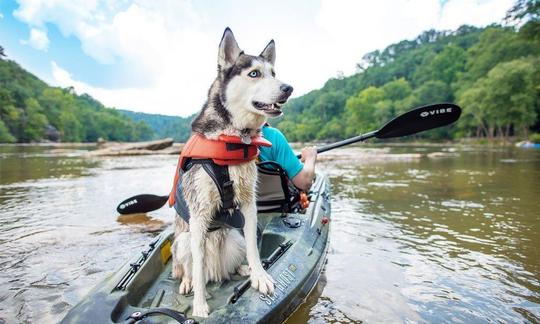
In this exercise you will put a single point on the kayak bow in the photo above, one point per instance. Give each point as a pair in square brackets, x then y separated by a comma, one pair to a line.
[293, 248]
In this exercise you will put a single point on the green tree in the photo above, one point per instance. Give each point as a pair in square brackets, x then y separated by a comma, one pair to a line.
[448, 64]
[142, 131]
[444, 66]
[8, 113]
[398, 89]
[506, 99]
[474, 119]
[33, 122]
[61, 109]
[496, 45]
[360, 111]
[527, 11]
[332, 130]
[5, 135]
[432, 92]
[397, 94]
[27, 105]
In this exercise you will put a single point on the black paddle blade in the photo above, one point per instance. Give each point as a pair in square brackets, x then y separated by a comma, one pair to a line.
[141, 204]
[420, 119]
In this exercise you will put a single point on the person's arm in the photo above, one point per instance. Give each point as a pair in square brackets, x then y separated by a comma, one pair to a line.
[304, 178]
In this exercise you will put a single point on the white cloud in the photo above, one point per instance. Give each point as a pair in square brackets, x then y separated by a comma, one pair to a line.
[357, 27]
[147, 39]
[38, 40]
[478, 13]
[170, 46]
[154, 98]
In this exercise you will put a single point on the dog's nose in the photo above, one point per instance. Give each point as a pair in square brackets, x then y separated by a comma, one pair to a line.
[286, 88]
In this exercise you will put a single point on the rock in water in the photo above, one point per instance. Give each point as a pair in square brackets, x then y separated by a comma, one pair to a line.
[138, 148]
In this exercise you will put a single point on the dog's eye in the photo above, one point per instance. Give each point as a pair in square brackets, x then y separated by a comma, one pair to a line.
[254, 74]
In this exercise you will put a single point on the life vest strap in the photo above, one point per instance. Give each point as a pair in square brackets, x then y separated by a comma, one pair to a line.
[229, 214]
[225, 151]
[220, 176]
[236, 147]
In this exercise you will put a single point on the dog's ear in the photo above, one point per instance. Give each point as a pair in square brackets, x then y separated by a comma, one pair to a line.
[269, 52]
[228, 49]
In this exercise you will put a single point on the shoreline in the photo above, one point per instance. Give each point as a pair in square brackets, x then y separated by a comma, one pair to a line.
[53, 144]
[293, 144]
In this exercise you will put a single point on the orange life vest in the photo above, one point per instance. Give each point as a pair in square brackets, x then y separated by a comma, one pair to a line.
[226, 150]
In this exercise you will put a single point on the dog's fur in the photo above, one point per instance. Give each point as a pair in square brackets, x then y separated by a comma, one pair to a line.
[239, 102]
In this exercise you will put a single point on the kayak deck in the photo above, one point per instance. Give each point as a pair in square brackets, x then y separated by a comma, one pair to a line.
[164, 290]
[292, 247]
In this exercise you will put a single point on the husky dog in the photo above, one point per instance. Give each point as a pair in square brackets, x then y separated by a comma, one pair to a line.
[244, 94]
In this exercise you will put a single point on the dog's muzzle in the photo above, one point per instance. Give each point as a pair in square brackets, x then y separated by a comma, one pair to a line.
[274, 109]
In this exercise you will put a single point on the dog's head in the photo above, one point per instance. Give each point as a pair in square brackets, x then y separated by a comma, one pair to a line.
[249, 82]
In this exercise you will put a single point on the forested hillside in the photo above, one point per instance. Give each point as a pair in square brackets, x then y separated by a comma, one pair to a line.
[179, 128]
[493, 73]
[30, 110]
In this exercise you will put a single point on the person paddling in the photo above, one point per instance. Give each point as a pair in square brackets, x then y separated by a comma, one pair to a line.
[301, 172]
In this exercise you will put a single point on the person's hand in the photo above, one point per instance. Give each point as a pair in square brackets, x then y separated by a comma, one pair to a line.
[309, 153]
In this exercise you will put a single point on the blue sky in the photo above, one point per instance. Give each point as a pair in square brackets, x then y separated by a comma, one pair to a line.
[160, 56]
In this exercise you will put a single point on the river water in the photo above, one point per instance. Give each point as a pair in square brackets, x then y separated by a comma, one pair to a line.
[419, 233]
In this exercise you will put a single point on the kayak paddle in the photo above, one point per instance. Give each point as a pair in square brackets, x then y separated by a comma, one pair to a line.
[141, 204]
[412, 122]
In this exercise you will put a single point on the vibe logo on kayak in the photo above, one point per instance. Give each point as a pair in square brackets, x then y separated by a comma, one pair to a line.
[436, 112]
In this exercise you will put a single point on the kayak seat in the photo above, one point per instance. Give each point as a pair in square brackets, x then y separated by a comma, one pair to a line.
[275, 192]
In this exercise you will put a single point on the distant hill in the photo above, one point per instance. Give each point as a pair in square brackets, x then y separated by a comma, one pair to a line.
[492, 72]
[179, 128]
[31, 110]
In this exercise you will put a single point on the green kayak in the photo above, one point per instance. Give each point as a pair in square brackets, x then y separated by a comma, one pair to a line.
[292, 246]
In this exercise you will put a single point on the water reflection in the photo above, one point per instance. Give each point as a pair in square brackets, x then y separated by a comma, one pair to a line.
[416, 237]
[438, 239]
[59, 232]
[143, 222]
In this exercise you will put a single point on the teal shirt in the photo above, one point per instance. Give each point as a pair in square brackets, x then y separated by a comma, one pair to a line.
[280, 152]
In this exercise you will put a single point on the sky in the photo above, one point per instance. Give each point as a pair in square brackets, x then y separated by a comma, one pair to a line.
[161, 56]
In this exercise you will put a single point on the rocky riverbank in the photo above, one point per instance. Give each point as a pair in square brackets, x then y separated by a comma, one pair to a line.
[162, 146]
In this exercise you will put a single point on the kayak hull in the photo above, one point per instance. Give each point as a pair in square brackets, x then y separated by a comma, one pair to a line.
[294, 247]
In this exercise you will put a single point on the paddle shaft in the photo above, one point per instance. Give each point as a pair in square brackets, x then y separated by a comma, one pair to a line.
[345, 142]
[411, 122]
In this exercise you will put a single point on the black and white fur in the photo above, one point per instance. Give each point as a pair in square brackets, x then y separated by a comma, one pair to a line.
[240, 99]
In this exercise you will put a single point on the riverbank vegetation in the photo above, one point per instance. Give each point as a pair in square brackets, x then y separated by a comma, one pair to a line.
[493, 73]
[177, 128]
[30, 110]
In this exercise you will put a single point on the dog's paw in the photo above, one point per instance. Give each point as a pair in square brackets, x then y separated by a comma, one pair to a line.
[185, 286]
[200, 309]
[262, 281]
[177, 271]
[243, 270]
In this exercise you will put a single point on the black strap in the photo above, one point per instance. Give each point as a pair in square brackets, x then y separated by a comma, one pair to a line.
[280, 202]
[238, 146]
[292, 195]
[229, 214]
[220, 176]
[178, 316]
